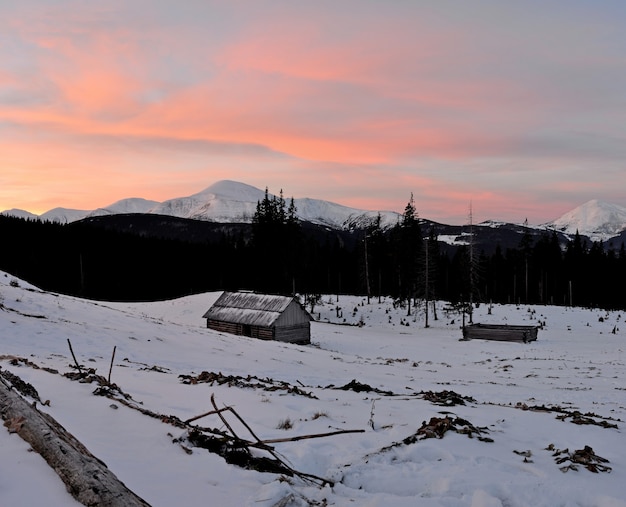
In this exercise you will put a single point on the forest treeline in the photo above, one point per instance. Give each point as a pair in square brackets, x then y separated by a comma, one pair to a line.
[279, 254]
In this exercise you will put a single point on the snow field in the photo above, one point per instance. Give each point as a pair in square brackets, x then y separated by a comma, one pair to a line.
[577, 363]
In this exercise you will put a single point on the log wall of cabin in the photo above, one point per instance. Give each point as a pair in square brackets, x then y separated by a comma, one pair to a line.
[294, 334]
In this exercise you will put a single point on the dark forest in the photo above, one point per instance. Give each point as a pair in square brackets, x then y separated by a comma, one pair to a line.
[147, 257]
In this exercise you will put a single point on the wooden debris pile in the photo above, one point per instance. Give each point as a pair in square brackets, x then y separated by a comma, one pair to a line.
[235, 450]
[114, 392]
[250, 382]
[446, 398]
[24, 388]
[359, 387]
[585, 457]
[19, 361]
[244, 452]
[437, 427]
[227, 444]
[442, 398]
[575, 416]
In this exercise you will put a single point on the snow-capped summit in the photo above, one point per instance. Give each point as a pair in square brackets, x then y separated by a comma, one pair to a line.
[225, 201]
[131, 205]
[596, 219]
[233, 190]
[18, 213]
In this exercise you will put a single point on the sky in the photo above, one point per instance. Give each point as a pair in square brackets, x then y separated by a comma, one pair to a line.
[515, 110]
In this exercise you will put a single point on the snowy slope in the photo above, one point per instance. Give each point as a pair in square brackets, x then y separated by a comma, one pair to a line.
[577, 364]
[63, 215]
[225, 201]
[18, 213]
[335, 215]
[596, 219]
[130, 205]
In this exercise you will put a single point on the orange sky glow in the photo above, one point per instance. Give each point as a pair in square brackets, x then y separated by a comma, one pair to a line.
[358, 102]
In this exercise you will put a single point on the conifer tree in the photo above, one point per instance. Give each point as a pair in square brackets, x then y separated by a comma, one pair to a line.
[276, 238]
[409, 244]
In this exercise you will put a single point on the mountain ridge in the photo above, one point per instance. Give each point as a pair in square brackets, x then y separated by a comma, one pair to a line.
[225, 201]
[228, 201]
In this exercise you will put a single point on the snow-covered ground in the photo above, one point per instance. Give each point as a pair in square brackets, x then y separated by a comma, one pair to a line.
[577, 364]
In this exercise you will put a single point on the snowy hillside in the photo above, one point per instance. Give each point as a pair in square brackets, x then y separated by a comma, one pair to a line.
[441, 422]
[341, 217]
[19, 213]
[131, 205]
[596, 219]
[58, 215]
[225, 201]
[63, 215]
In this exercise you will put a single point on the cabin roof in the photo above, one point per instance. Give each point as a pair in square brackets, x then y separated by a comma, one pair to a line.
[251, 309]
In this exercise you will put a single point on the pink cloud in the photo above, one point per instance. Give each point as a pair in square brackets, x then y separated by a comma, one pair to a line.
[287, 85]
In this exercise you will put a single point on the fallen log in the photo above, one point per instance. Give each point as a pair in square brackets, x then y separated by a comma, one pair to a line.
[86, 478]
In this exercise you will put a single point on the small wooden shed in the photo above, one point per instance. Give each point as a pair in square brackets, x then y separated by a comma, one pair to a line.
[263, 316]
[500, 332]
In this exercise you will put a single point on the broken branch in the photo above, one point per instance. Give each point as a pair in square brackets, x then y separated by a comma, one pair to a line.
[306, 437]
[72, 351]
[111, 367]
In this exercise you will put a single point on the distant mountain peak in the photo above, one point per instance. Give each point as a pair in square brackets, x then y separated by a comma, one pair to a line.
[19, 213]
[596, 219]
[63, 215]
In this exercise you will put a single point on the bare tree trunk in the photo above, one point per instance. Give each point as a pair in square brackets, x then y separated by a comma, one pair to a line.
[86, 478]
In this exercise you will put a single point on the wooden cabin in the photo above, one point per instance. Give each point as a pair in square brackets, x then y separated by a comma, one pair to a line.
[262, 316]
[500, 332]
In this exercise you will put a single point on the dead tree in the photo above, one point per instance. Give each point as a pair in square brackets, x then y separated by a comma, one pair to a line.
[86, 478]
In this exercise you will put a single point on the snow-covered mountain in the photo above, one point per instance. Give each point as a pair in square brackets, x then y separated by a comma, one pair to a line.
[225, 202]
[233, 202]
[18, 213]
[229, 201]
[131, 205]
[64, 215]
[597, 220]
